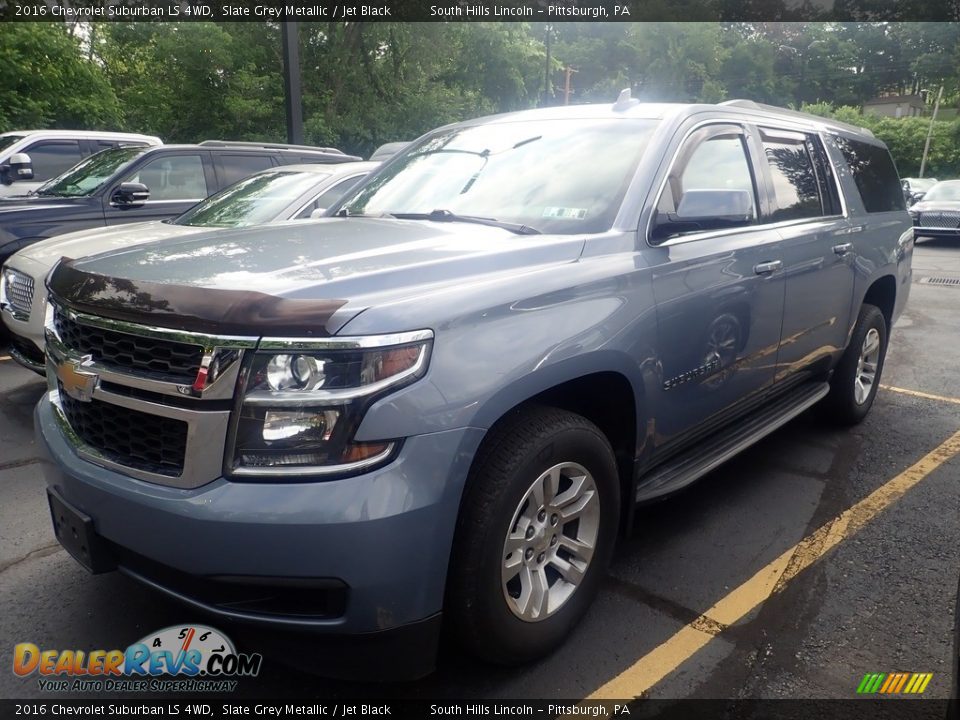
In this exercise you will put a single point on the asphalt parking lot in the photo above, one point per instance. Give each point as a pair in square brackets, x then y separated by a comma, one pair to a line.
[814, 558]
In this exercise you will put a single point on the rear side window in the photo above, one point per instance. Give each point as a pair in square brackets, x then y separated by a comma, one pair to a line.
[874, 173]
[51, 158]
[800, 175]
[792, 175]
[232, 168]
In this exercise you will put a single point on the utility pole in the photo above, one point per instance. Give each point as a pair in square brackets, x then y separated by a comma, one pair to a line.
[568, 71]
[290, 32]
[547, 85]
[926, 146]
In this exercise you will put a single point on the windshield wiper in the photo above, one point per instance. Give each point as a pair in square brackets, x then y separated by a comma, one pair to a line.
[447, 216]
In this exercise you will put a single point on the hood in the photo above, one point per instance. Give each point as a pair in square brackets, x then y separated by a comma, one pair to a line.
[102, 239]
[936, 206]
[290, 278]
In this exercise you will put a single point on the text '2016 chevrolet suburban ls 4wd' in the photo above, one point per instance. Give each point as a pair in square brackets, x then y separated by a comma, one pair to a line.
[445, 399]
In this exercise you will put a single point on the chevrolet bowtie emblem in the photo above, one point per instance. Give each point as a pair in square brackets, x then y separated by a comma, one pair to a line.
[77, 382]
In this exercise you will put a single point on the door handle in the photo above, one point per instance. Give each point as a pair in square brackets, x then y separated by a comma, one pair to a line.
[765, 268]
[842, 248]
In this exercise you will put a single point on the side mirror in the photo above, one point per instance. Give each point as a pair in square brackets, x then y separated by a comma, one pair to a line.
[19, 167]
[706, 210]
[706, 206]
[130, 194]
[318, 212]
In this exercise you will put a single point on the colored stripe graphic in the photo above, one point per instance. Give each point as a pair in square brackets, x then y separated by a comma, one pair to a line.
[894, 683]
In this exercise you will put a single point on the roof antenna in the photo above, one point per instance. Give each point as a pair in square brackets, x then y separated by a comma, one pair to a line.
[624, 101]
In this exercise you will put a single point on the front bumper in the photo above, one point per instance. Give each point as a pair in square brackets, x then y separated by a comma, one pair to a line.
[936, 232]
[28, 333]
[382, 538]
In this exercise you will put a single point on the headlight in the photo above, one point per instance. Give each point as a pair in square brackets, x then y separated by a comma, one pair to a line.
[303, 402]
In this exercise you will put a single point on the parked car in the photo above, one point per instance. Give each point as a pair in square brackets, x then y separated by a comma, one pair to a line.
[28, 158]
[937, 215]
[387, 151]
[442, 403]
[137, 184]
[290, 192]
[914, 188]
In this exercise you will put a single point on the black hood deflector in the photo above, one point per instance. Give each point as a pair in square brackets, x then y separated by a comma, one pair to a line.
[197, 309]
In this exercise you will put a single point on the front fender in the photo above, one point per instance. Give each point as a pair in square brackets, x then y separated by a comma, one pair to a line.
[488, 362]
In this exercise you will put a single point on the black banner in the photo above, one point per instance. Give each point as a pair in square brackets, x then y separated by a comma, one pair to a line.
[866, 709]
[552, 11]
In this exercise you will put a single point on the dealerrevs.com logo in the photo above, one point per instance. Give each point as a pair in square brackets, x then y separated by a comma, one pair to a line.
[190, 658]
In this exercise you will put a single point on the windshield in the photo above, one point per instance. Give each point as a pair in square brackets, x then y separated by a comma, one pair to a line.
[8, 140]
[556, 176]
[922, 184]
[257, 199]
[87, 176]
[943, 191]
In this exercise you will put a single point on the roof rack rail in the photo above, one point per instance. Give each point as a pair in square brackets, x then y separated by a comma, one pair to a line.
[751, 105]
[270, 146]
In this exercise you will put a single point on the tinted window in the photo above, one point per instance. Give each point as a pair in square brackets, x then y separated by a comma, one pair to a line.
[331, 195]
[50, 158]
[173, 177]
[793, 178]
[874, 173]
[237, 167]
[826, 181]
[8, 140]
[257, 199]
[558, 176]
[714, 159]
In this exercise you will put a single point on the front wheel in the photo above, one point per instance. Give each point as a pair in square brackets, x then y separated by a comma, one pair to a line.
[536, 532]
[856, 378]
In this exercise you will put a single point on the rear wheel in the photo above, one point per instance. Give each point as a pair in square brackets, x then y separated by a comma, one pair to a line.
[856, 378]
[536, 532]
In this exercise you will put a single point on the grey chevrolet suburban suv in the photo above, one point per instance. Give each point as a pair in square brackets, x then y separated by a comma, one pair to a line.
[445, 399]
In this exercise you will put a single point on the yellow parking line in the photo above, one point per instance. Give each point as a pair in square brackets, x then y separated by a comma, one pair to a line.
[664, 659]
[925, 396]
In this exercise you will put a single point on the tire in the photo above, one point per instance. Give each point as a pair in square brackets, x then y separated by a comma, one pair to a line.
[491, 613]
[849, 401]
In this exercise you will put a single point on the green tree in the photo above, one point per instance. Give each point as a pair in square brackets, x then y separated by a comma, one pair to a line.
[46, 81]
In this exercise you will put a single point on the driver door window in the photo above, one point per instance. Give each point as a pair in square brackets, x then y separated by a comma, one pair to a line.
[710, 186]
[173, 177]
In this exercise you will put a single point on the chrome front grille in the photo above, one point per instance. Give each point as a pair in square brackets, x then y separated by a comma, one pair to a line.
[18, 291]
[948, 220]
[151, 403]
[164, 359]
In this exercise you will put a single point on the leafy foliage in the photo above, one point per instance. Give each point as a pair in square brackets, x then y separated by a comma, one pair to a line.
[369, 83]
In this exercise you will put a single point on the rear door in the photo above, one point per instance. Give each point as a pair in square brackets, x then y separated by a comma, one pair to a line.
[817, 251]
[232, 167]
[719, 290]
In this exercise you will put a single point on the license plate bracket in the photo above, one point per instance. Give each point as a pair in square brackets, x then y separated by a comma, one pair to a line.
[76, 534]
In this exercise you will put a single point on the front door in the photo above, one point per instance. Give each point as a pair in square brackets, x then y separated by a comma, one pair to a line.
[176, 181]
[718, 286]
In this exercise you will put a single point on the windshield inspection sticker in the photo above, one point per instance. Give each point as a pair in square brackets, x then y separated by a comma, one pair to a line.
[562, 213]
